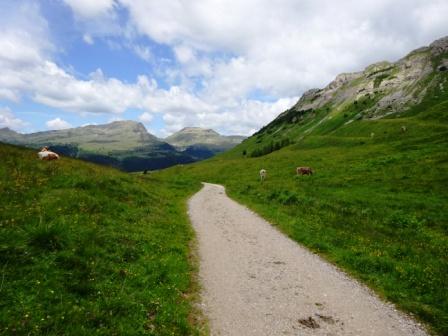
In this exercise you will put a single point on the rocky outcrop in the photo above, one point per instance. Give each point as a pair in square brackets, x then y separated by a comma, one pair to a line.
[439, 46]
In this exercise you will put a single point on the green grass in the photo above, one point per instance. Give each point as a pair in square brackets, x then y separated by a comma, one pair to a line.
[88, 250]
[376, 207]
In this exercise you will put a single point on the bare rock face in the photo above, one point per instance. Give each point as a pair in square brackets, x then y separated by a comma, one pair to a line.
[439, 46]
[342, 79]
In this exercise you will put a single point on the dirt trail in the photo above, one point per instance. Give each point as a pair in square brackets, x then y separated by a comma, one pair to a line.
[256, 281]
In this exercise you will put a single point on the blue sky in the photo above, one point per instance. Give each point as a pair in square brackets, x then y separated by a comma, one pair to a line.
[228, 65]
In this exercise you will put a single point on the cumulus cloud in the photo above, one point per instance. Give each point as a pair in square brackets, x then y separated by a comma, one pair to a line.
[87, 38]
[89, 9]
[57, 124]
[113, 119]
[288, 48]
[244, 118]
[143, 52]
[8, 119]
[145, 117]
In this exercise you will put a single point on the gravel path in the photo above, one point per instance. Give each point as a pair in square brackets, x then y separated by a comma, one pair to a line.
[256, 281]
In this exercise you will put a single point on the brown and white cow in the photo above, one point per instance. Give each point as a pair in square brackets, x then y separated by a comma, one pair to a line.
[304, 171]
[47, 155]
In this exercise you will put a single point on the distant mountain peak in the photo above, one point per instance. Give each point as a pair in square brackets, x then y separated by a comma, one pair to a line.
[202, 137]
[193, 129]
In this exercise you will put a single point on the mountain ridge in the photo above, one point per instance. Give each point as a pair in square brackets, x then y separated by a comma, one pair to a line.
[124, 144]
[195, 136]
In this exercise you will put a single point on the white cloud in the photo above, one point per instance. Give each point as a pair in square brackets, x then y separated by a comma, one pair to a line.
[57, 124]
[54, 87]
[184, 54]
[114, 119]
[145, 117]
[285, 49]
[87, 38]
[89, 124]
[7, 119]
[89, 9]
[244, 118]
[143, 52]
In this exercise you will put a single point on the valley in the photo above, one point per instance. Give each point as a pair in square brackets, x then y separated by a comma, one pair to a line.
[109, 252]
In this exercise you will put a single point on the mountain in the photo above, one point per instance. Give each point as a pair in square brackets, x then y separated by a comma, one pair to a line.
[382, 90]
[123, 144]
[119, 135]
[201, 142]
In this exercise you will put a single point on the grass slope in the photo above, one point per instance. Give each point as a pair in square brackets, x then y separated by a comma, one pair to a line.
[88, 250]
[376, 207]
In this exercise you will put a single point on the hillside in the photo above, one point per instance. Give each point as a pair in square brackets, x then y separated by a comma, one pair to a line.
[381, 91]
[203, 143]
[86, 249]
[376, 205]
[123, 144]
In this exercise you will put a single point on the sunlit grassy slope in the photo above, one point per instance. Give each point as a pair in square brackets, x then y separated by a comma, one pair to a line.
[377, 206]
[88, 250]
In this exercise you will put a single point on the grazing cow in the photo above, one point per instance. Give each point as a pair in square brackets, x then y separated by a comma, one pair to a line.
[304, 171]
[403, 129]
[47, 155]
[263, 174]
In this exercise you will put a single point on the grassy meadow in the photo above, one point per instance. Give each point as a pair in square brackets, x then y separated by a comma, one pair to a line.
[88, 250]
[376, 206]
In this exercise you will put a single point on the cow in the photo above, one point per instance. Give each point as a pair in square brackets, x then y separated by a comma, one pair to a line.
[304, 171]
[47, 155]
[403, 129]
[263, 174]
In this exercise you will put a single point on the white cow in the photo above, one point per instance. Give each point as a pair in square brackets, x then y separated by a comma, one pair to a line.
[48, 155]
[263, 174]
